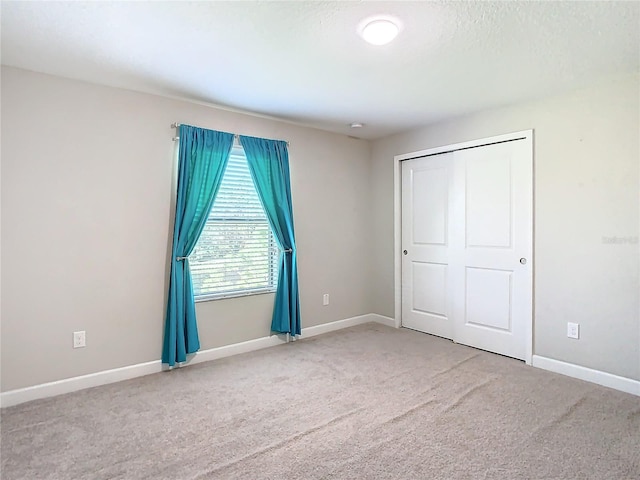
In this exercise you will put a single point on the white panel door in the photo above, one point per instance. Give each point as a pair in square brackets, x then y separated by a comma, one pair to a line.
[467, 231]
[491, 253]
[426, 185]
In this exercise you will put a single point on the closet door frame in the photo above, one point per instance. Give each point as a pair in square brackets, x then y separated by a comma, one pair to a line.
[524, 136]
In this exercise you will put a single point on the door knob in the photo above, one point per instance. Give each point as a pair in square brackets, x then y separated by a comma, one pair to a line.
[405, 252]
[523, 261]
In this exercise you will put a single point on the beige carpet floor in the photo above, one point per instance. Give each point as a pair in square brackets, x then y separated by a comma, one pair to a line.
[369, 402]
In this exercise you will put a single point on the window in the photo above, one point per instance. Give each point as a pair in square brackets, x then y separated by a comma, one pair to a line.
[236, 253]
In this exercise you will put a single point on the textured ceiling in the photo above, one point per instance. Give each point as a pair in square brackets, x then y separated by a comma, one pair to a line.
[304, 61]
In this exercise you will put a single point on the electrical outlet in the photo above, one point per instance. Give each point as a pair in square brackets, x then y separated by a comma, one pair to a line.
[325, 299]
[573, 330]
[79, 339]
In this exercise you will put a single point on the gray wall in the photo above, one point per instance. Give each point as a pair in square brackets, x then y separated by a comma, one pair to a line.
[87, 183]
[586, 174]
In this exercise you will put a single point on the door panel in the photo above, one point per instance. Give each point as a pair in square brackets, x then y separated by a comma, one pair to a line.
[488, 199]
[431, 298]
[430, 198]
[488, 298]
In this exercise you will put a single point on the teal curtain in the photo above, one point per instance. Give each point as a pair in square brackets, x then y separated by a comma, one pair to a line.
[202, 159]
[269, 166]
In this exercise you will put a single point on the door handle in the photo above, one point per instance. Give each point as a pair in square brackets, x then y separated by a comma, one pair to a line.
[523, 261]
[404, 252]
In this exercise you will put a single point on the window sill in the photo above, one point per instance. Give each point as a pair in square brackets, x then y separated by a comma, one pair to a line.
[223, 296]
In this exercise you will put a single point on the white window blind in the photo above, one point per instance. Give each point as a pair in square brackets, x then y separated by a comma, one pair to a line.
[236, 253]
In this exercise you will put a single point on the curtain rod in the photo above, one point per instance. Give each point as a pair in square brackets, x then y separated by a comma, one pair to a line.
[235, 135]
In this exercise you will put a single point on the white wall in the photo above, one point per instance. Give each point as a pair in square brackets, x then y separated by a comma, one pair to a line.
[87, 175]
[586, 156]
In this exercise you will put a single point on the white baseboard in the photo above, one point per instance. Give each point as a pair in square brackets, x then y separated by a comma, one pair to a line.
[388, 321]
[349, 322]
[68, 385]
[233, 349]
[583, 373]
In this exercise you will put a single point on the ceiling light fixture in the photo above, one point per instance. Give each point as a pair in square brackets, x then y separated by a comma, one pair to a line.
[380, 31]
[357, 125]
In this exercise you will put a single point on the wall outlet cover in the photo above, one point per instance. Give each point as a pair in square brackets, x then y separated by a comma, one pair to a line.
[79, 339]
[573, 330]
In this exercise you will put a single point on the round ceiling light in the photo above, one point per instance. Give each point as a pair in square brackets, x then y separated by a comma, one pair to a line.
[380, 31]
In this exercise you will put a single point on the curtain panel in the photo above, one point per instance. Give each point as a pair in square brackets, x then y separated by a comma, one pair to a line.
[269, 166]
[202, 159]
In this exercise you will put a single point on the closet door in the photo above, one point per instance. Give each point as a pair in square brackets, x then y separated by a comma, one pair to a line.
[467, 230]
[491, 253]
[426, 237]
